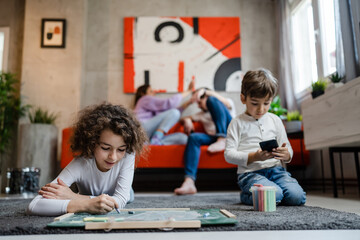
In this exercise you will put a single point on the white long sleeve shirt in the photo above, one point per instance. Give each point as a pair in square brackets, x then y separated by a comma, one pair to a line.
[244, 135]
[207, 121]
[90, 181]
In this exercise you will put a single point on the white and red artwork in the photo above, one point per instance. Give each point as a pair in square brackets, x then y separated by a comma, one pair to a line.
[168, 52]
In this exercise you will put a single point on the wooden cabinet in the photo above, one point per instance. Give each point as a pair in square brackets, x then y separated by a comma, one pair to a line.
[333, 119]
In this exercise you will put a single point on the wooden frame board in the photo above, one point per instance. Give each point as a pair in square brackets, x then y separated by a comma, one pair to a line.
[143, 225]
[147, 218]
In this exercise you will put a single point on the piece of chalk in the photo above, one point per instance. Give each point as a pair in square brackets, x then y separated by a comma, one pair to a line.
[95, 219]
[206, 215]
[117, 210]
[76, 221]
[100, 220]
[131, 212]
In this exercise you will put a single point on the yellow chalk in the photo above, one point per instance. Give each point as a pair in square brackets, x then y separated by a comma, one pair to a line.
[95, 219]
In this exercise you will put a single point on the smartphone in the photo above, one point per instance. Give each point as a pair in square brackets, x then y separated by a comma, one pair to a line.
[269, 145]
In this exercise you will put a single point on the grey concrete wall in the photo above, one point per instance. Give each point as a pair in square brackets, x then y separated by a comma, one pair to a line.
[90, 69]
[257, 29]
[51, 77]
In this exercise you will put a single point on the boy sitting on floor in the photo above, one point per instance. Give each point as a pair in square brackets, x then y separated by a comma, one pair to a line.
[255, 125]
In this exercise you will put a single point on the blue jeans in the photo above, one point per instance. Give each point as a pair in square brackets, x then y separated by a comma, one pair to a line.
[165, 121]
[288, 190]
[221, 117]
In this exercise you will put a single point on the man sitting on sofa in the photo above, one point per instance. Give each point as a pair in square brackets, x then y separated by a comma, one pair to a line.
[215, 116]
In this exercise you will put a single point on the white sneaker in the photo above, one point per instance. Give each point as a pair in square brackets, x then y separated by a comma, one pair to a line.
[217, 146]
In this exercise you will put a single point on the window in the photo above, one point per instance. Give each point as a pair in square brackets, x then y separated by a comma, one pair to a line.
[313, 42]
[4, 48]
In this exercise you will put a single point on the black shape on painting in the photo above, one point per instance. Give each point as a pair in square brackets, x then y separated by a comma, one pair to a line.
[224, 71]
[147, 77]
[172, 24]
[196, 25]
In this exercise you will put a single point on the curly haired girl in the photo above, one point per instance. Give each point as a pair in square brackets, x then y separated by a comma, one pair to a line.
[106, 140]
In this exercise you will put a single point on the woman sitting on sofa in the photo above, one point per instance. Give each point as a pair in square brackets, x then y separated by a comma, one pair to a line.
[158, 115]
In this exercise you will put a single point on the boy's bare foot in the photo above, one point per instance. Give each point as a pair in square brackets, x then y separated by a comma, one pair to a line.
[188, 187]
[217, 146]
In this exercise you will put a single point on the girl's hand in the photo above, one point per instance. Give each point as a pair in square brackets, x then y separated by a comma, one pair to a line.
[191, 85]
[57, 191]
[97, 205]
[101, 204]
[281, 153]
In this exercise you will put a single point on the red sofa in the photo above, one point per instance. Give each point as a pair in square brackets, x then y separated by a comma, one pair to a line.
[163, 167]
[170, 156]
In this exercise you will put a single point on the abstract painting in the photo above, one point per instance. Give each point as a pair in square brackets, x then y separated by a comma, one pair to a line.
[169, 52]
[53, 33]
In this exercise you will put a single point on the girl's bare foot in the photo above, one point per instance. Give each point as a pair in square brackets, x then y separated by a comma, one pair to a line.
[188, 187]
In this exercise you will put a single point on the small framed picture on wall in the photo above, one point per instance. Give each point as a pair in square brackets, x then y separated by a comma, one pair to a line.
[53, 33]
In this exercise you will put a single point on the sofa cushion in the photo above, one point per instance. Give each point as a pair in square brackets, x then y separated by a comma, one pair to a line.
[172, 156]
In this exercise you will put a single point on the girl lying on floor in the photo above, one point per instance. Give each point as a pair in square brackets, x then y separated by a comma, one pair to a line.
[107, 138]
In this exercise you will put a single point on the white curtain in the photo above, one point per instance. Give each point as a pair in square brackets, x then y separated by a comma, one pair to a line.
[286, 90]
[340, 64]
[349, 11]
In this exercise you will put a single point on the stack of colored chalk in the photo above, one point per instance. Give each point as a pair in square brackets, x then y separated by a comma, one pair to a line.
[264, 199]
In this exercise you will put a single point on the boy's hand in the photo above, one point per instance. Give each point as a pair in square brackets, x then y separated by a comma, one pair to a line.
[261, 155]
[281, 153]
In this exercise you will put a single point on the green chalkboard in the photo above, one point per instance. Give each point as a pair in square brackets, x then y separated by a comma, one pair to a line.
[206, 217]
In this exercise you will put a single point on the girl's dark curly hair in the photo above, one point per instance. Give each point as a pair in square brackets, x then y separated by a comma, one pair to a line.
[94, 119]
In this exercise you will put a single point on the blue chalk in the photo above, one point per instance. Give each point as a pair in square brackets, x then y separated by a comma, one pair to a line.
[131, 212]
[206, 215]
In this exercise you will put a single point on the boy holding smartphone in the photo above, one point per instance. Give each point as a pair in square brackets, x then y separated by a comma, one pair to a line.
[256, 125]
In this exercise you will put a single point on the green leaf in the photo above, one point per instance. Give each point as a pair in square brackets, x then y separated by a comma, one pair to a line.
[276, 108]
[42, 116]
[11, 108]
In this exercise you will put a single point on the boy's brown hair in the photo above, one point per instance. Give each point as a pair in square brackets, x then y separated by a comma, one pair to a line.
[259, 84]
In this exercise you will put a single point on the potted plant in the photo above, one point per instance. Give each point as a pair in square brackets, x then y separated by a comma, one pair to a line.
[318, 87]
[42, 116]
[293, 121]
[335, 81]
[11, 110]
[276, 108]
[37, 145]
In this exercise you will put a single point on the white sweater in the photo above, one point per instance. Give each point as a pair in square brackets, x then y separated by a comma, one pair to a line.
[90, 181]
[207, 121]
[244, 135]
